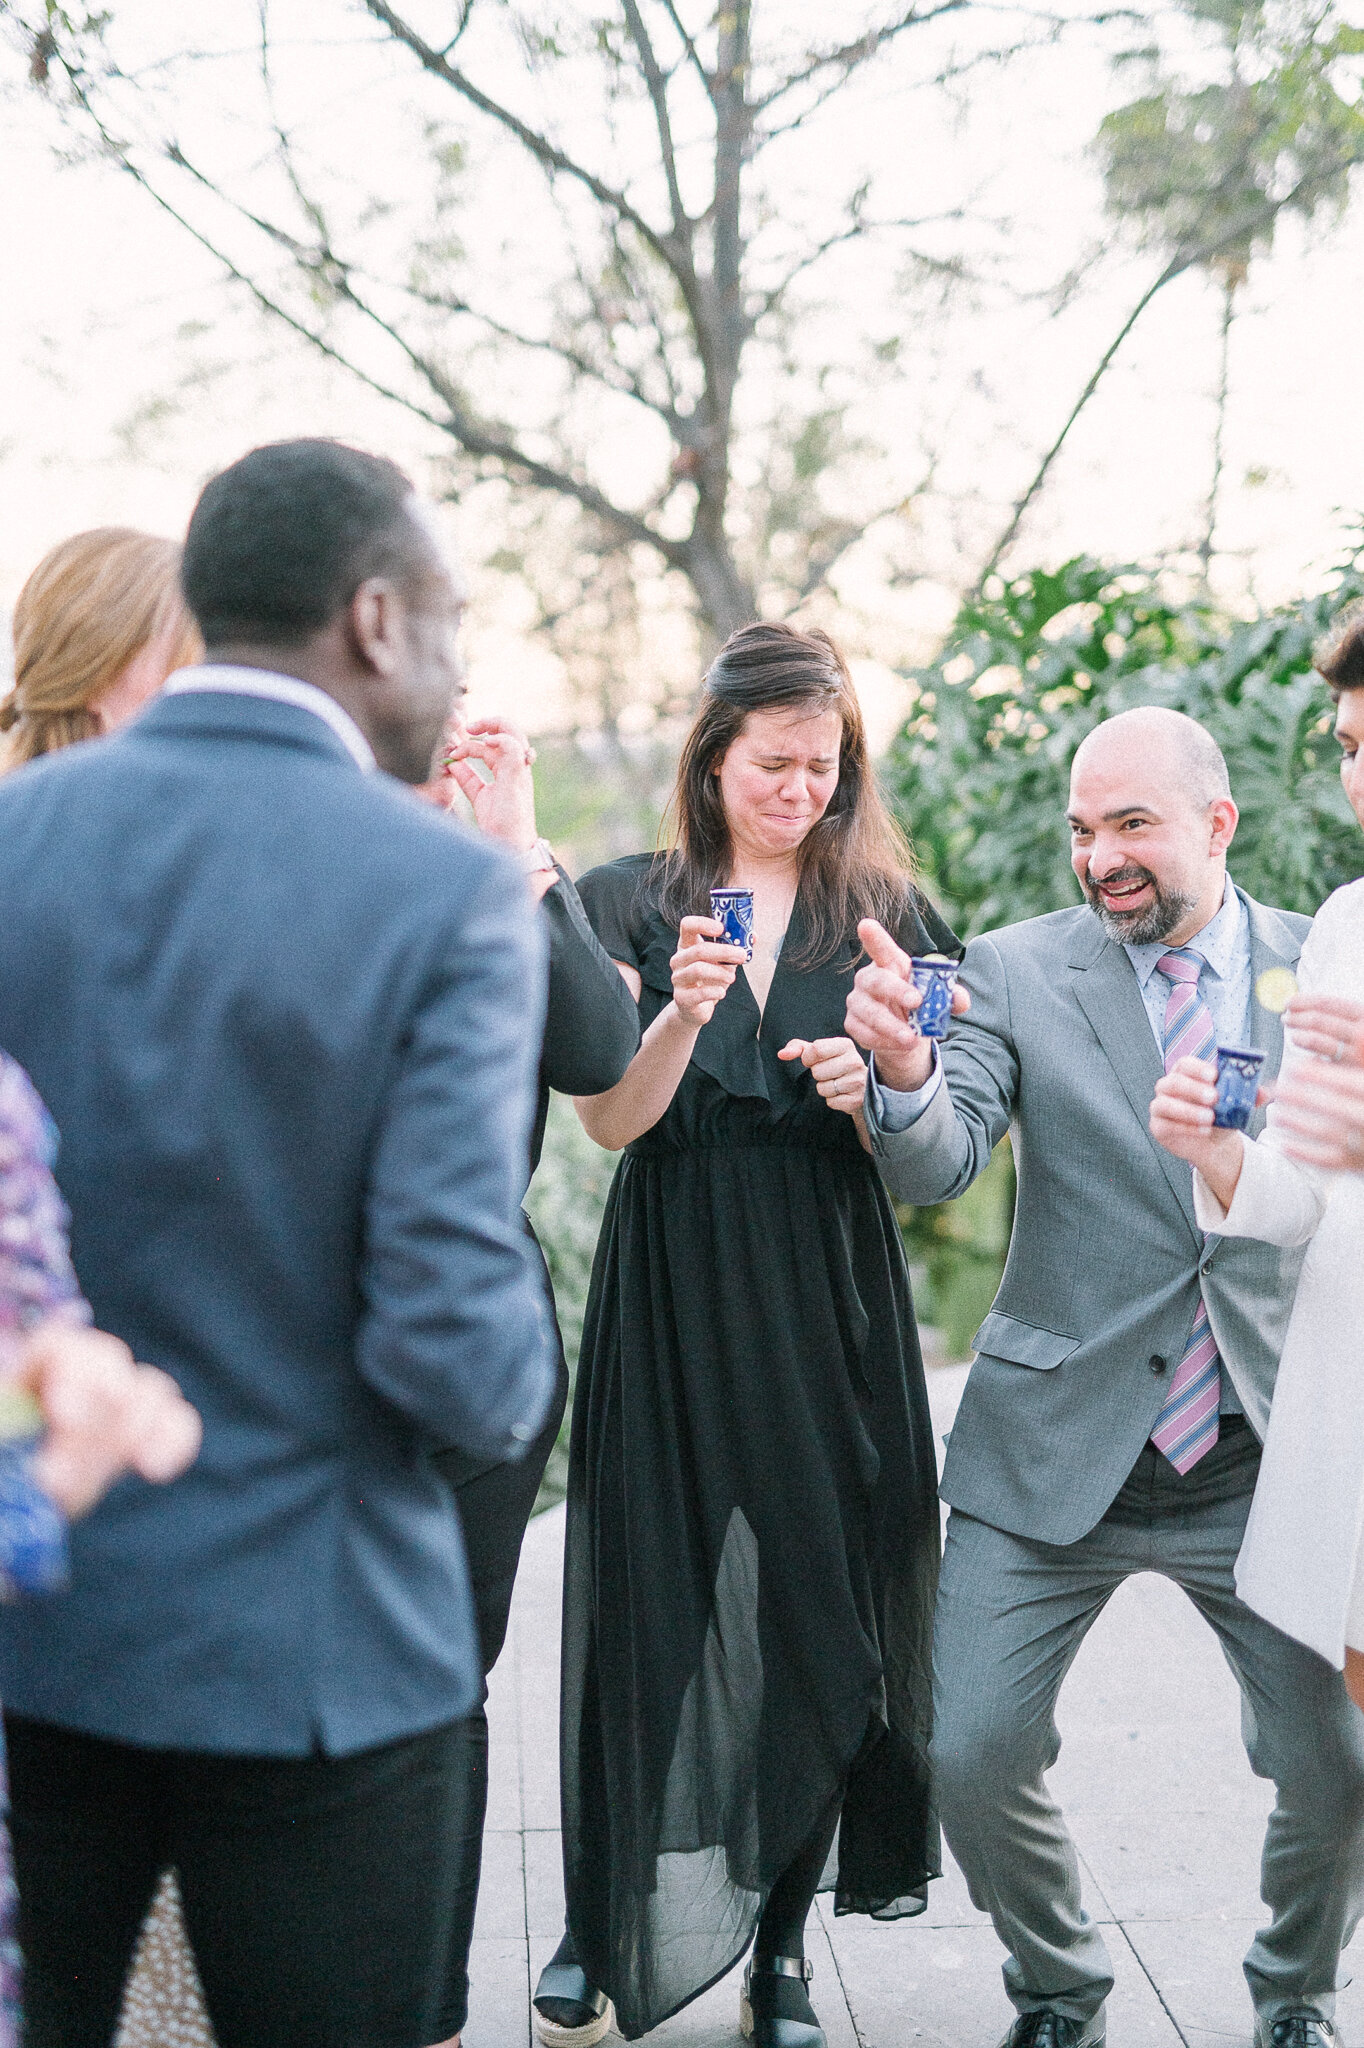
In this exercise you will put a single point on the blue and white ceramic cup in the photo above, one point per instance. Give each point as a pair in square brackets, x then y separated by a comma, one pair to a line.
[1238, 1083]
[935, 976]
[733, 908]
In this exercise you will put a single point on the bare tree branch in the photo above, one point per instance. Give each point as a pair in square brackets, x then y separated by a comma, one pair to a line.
[311, 209]
[693, 54]
[1248, 223]
[465, 14]
[498, 444]
[476, 438]
[855, 231]
[540, 147]
[657, 86]
[622, 383]
[845, 534]
[948, 74]
[640, 297]
[849, 56]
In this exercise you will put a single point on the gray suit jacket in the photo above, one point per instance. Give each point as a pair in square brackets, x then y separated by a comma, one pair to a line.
[1106, 1258]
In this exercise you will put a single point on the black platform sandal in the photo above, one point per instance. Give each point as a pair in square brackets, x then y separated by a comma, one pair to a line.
[779, 1981]
[570, 2012]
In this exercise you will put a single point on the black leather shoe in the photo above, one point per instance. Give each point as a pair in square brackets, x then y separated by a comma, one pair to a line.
[774, 2006]
[1298, 2030]
[1047, 2029]
[570, 2012]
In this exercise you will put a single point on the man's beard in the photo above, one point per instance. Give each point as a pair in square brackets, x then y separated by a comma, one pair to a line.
[1141, 927]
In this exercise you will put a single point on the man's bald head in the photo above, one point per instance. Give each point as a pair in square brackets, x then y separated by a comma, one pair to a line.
[1151, 818]
[1173, 746]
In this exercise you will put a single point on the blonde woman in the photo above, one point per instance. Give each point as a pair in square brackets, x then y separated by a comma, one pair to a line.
[98, 627]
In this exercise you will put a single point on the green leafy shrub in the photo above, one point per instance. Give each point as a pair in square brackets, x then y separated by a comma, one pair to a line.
[957, 1250]
[565, 1203]
[980, 773]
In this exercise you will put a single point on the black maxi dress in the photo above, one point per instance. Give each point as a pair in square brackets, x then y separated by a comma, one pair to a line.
[752, 1545]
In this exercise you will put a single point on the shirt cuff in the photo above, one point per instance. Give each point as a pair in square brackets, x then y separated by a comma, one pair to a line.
[1210, 1215]
[893, 1111]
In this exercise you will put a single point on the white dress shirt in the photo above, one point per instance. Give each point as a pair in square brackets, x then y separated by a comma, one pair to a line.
[1302, 1563]
[264, 682]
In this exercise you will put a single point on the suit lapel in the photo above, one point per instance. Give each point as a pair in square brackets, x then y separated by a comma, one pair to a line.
[1108, 992]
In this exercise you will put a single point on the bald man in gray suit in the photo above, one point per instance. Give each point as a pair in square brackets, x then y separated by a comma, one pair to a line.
[1113, 1418]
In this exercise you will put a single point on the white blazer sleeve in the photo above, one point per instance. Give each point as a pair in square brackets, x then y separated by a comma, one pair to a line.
[1277, 1200]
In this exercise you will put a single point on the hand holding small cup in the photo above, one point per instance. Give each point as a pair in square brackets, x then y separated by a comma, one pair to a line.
[703, 971]
[880, 1014]
[1182, 1119]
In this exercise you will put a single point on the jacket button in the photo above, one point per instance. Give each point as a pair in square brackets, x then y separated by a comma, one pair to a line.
[1157, 1364]
[1206, 1266]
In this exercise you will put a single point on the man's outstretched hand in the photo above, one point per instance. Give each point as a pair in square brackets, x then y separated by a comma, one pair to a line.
[880, 1016]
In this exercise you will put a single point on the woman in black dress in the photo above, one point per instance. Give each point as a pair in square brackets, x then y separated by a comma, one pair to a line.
[752, 1542]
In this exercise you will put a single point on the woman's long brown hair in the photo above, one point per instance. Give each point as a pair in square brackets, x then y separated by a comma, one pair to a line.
[855, 863]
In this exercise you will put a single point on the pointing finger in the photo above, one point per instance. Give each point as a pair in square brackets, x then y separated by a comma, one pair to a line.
[881, 947]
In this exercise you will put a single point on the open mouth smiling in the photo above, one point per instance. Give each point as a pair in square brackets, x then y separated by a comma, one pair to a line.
[1123, 895]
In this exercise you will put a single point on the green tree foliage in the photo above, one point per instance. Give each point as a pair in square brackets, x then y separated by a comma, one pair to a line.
[956, 1253]
[1276, 131]
[980, 773]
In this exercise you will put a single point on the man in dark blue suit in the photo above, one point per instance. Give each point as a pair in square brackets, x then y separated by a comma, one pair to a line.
[287, 1020]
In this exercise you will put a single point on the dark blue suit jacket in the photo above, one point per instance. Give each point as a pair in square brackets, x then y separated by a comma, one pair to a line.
[287, 1021]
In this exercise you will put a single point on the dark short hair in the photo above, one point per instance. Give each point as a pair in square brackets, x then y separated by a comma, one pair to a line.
[280, 542]
[1339, 659]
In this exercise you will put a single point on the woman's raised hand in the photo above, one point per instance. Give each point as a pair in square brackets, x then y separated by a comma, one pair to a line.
[703, 972]
[504, 800]
[1181, 1119]
[1320, 1114]
[1323, 1024]
[837, 1068]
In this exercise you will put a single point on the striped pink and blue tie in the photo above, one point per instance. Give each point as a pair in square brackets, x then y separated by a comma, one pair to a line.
[1186, 1426]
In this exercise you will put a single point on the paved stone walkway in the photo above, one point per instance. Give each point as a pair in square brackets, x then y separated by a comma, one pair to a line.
[1164, 1809]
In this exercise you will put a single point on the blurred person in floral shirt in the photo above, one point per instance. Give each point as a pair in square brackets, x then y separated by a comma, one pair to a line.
[95, 1413]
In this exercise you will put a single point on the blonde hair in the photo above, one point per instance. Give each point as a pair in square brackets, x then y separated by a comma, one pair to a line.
[92, 604]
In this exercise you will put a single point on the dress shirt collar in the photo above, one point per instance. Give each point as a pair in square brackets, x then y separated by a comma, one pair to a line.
[264, 682]
[1222, 941]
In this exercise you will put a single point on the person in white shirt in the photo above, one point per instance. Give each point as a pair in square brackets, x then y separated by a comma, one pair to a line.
[1303, 1179]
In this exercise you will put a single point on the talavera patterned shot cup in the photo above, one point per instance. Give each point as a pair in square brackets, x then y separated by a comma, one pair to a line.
[935, 976]
[734, 910]
[1238, 1082]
